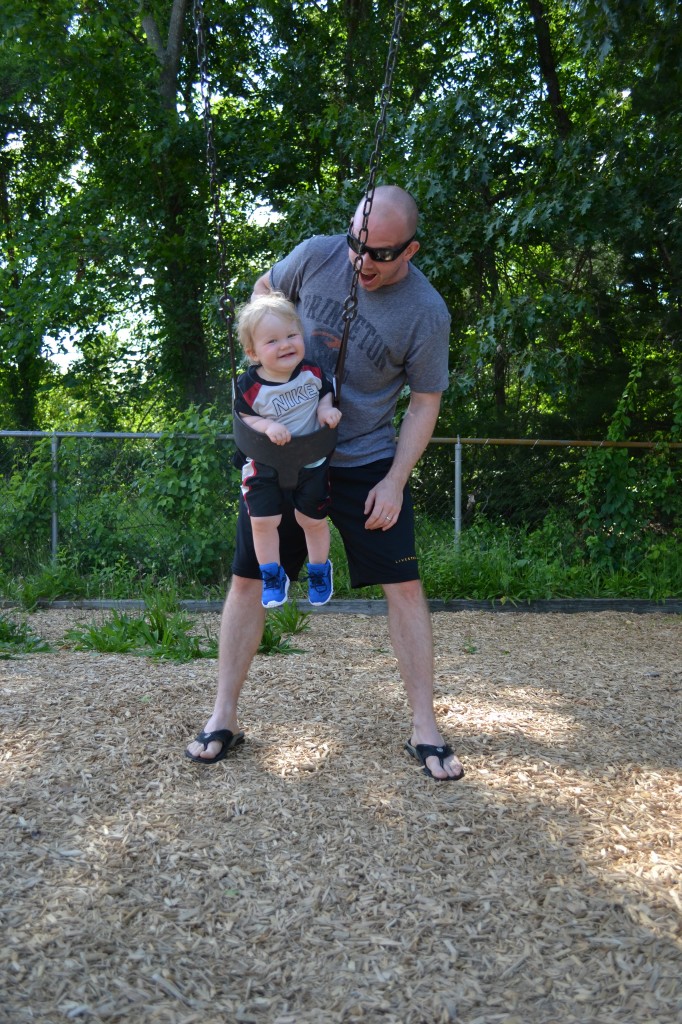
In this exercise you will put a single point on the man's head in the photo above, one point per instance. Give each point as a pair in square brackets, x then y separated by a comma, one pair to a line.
[390, 242]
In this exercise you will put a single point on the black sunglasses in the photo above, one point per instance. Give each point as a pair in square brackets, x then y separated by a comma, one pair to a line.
[386, 254]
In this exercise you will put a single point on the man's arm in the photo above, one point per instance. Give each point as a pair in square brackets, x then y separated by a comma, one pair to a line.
[384, 501]
[416, 430]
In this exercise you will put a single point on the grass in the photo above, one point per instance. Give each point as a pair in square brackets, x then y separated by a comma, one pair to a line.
[165, 631]
[65, 580]
[279, 625]
[18, 638]
[491, 562]
[497, 563]
[162, 631]
[167, 637]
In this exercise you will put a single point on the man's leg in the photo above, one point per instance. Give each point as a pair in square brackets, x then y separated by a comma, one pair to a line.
[409, 624]
[241, 629]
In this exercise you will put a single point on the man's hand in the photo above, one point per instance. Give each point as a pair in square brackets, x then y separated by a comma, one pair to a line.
[383, 505]
[262, 286]
[385, 501]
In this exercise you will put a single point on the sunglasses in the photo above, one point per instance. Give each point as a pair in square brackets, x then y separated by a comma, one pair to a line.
[386, 254]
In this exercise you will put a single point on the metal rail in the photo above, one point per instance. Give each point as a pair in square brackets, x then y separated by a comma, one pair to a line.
[56, 436]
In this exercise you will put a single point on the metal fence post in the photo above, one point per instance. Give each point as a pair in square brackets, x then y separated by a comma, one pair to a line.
[458, 490]
[55, 520]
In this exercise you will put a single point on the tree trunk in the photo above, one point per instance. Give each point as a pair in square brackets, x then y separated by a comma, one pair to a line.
[22, 370]
[548, 68]
[179, 288]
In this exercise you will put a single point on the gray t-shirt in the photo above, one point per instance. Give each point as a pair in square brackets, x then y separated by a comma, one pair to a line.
[399, 337]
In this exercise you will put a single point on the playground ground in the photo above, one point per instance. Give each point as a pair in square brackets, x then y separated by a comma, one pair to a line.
[316, 876]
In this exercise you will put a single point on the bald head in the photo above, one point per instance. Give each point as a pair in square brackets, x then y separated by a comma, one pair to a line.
[392, 206]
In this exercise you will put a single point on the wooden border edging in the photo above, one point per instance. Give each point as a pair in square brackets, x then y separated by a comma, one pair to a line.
[377, 606]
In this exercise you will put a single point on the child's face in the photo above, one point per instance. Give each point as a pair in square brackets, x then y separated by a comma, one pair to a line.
[278, 346]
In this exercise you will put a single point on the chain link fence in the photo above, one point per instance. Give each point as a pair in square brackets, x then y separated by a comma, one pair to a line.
[165, 504]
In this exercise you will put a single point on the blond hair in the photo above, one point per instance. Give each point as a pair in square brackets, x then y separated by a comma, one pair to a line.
[251, 313]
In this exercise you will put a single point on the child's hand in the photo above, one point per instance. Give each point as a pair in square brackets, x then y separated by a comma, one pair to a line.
[328, 417]
[278, 433]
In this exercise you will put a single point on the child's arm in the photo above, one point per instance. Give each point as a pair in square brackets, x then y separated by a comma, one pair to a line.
[276, 431]
[327, 413]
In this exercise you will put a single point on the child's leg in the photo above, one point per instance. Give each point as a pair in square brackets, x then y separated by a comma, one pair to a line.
[312, 494]
[316, 537]
[320, 571]
[266, 546]
[266, 538]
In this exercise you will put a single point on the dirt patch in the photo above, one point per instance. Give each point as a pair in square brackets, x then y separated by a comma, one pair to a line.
[316, 875]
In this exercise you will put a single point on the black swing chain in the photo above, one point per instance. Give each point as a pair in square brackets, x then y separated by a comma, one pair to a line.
[226, 301]
[350, 306]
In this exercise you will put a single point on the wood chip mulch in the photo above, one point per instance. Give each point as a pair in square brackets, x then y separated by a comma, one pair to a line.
[316, 876]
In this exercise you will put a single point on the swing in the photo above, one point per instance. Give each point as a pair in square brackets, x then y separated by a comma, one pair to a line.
[302, 449]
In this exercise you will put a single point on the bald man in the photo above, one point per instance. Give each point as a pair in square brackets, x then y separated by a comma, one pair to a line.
[399, 337]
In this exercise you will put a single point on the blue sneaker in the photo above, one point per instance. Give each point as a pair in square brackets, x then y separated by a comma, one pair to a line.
[275, 585]
[320, 582]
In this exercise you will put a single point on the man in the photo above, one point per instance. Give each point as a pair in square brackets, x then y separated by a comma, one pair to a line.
[399, 336]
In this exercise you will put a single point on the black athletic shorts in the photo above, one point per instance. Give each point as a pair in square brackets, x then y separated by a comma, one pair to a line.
[374, 556]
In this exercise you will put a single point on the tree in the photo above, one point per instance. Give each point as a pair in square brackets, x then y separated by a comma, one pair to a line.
[548, 163]
[542, 141]
[104, 203]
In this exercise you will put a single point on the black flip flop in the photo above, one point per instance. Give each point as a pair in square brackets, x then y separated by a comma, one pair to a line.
[229, 741]
[421, 751]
